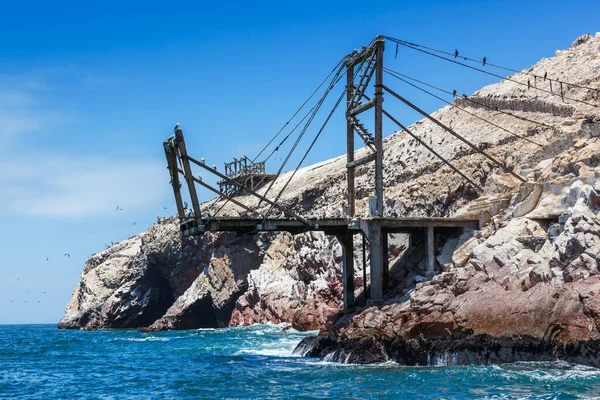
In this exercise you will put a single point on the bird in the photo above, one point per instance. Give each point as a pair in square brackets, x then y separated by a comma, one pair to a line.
[176, 127]
[134, 223]
[12, 301]
[165, 208]
[528, 84]
[455, 53]
[454, 93]
[18, 279]
[38, 301]
[545, 75]
[185, 205]
[67, 255]
[484, 60]
[44, 292]
[47, 258]
[118, 209]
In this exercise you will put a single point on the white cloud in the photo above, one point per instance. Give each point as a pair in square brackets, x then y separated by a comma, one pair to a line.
[38, 183]
[79, 187]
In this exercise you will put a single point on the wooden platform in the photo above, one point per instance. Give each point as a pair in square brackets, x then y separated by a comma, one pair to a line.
[330, 226]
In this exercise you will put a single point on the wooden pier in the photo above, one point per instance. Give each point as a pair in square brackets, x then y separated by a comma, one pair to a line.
[360, 67]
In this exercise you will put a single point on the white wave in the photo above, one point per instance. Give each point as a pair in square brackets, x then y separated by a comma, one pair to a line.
[547, 372]
[144, 339]
[268, 352]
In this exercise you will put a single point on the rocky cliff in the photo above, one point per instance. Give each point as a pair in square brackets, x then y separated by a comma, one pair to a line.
[524, 286]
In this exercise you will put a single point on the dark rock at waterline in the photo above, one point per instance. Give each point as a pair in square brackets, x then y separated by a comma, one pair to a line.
[480, 349]
[356, 351]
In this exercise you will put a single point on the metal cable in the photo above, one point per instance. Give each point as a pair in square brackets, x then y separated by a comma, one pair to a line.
[543, 77]
[462, 109]
[467, 98]
[493, 74]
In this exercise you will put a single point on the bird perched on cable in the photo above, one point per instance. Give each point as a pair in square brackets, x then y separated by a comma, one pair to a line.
[484, 60]
[545, 75]
[455, 53]
[176, 127]
[454, 93]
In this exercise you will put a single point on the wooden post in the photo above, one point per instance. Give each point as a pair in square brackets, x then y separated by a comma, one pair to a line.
[379, 125]
[374, 232]
[347, 271]
[171, 155]
[185, 166]
[350, 140]
[430, 251]
[386, 261]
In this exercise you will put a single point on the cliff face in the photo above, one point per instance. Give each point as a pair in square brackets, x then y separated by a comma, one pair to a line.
[528, 278]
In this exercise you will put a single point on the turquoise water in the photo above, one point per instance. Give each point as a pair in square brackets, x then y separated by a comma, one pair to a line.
[40, 361]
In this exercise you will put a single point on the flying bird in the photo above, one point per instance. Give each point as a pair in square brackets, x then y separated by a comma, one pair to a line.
[484, 60]
[67, 255]
[134, 223]
[47, 258]
[165, 208]
[118, 209]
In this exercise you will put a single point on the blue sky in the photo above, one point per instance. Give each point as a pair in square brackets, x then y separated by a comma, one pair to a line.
[89, 92]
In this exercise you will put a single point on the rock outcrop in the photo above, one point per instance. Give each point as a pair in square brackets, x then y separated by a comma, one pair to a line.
[523, 287]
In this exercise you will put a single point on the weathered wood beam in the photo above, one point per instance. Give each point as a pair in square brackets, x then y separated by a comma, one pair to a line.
[252, 192]
[363, 160]
[171, 155]
[362, 108]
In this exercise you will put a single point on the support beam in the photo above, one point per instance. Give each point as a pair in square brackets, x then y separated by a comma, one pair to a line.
[379, 125]
[361, 108]
[430, 251]
[171, 155]
[185, 166]
[350, 142]
[215, 191]
[347, 270]
[373, 229]
[386, 261]
[361, 161]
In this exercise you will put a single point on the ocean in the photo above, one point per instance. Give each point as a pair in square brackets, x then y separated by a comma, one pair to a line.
[256, 362]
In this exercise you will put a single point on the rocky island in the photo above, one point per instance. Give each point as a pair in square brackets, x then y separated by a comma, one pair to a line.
[526, 286]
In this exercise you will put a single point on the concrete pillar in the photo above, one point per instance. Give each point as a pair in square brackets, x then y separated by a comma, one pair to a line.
[375, 239]
[430, 251]
[347, 271]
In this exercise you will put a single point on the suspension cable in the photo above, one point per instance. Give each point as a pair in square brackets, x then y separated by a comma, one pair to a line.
[484, 62]
[308, 150]
[469, 99]
[336, 68]
[492, 74]
[463, 110]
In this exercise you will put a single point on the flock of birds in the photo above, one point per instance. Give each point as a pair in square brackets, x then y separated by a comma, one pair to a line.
[68, 255]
